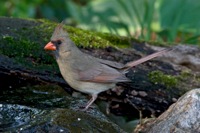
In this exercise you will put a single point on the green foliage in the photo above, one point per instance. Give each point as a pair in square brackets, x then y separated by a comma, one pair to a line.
[158, 77]
[157, 20]
[180, 20]
[140, 16]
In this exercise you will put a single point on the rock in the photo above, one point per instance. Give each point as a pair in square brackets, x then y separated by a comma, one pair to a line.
[134, 93]
[181, 117]
[49, 109]
[142, 93]
[186, 56]
[23, 119]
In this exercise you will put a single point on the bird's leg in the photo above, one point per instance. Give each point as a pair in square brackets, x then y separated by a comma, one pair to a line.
[94, 97]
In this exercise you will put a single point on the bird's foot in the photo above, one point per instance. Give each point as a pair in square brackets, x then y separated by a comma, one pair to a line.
[85, 108]
[89, 103]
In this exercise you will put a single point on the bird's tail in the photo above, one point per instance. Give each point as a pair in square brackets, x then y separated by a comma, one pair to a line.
[149, 57]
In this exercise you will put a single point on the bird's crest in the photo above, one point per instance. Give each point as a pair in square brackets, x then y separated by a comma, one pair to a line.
[59, 31]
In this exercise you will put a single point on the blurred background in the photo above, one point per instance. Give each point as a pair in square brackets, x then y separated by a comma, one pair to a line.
[171, 21]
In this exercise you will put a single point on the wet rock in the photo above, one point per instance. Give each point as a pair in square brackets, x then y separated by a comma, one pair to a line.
[186, 56]
[13, 116]
[23, 119]
[181, 117]
[49, 108]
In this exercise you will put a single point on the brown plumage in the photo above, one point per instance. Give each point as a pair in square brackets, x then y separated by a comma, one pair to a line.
[86, 73]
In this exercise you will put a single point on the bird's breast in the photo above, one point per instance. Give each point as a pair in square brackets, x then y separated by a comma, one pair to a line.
[71, 77]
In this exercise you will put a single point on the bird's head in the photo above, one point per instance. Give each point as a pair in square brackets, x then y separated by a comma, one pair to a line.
[60, 41]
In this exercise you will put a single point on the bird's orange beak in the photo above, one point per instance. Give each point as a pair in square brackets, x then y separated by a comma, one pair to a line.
[50, 46]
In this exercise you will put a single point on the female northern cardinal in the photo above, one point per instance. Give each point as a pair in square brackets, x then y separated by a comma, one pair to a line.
[86, 73]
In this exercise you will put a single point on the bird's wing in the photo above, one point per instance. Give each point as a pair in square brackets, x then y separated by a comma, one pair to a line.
[112, 64]
[102, 73]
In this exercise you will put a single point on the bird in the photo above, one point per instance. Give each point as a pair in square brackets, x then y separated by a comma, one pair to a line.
[85, 73]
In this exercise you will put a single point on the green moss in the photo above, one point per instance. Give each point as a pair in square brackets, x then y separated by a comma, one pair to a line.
[26, 52]
[81, 38]
[94, 122]
[93, 39]
[20, 48]
[164, 79]
[186, 80]
[87, 39]
[26, 43]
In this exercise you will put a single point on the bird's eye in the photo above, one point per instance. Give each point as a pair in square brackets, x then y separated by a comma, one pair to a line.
[59, 42]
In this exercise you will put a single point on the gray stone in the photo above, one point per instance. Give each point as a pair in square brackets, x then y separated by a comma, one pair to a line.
[181, 117]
